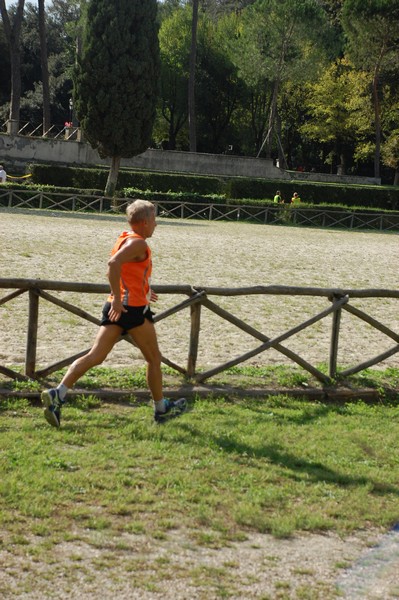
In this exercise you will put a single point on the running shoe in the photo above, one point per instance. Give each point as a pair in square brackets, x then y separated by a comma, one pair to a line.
[52, 406]
[174, 408]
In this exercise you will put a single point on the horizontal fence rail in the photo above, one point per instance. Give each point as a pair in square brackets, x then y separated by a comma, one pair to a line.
[272, 214]
[194, 299]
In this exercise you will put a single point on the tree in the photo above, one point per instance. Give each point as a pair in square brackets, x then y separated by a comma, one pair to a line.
[339, 111]
[279, 41]
[174, 41]
[390, 154]
[5, 69]
[372, 28]
[218, 7]
[219, 89]
[60, 32]
[191, 80]
[116, 79]
[44, 64]
[13, 34]
[166, 9]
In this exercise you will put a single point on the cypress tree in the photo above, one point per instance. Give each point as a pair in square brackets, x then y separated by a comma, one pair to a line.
[116, 79]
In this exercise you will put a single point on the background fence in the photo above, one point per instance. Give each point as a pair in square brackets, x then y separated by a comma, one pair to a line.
[194, 298]
[273, 215]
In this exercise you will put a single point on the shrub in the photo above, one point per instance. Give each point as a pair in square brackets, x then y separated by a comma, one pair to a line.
[215, 189]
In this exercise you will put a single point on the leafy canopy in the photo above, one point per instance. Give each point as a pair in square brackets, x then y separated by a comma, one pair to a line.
[117, 76]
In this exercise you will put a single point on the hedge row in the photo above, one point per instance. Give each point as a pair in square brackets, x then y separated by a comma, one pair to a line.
[228, 189]
[175, 196]
[318, 193]
[96, 178]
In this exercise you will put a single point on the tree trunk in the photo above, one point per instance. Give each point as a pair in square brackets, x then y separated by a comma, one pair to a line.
[272, 118]
[341, 168]
[377, 124]
[112, 176]
[44, 64]
[13, 34]
[171, 136]
[276, 89]
[191, 81]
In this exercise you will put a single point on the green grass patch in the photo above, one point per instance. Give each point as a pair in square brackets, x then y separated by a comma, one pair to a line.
[244, 376]
[276, 465]
[111, 481]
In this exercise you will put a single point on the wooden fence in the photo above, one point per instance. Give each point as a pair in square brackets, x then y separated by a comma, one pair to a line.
[194, 298]
[272, 214]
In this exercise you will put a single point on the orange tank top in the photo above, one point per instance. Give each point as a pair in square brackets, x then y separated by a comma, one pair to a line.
[135, 281]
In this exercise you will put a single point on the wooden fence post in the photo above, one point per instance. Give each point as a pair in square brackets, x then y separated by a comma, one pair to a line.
[31, 342]
[195, 315]
[336, 321]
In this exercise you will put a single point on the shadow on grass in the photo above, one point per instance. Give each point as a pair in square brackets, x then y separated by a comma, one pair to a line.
[315, 470]
[186, 433]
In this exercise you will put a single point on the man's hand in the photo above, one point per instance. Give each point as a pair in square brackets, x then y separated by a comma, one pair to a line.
[154, 296]
[116, 310]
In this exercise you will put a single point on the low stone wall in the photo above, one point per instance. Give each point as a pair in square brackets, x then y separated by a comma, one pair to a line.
[16, 151]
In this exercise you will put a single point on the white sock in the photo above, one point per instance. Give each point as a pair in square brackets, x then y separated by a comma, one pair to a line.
[62, 391]
[160, 405]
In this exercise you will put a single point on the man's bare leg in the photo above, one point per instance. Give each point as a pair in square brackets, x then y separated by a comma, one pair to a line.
[106, 339]
[146, 339]
[52, 399]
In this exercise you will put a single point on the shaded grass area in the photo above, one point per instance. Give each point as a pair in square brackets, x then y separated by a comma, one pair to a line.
[84, 502]
[277, 465]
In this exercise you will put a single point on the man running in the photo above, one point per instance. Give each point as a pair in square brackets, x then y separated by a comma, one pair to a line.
[127, 311]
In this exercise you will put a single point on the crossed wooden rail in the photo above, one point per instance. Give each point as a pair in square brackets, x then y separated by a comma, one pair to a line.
[196, 298]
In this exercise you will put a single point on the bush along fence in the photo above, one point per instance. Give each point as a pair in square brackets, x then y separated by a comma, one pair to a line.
[373, 196]
[284, 214]
[194, 299]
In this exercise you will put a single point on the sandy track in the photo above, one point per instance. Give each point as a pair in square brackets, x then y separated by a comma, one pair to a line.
[73, 248]
[59, 246]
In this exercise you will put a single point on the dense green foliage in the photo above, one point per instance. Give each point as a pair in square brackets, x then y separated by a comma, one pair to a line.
[190, 187]
[312, 83]
[94, 178]
[116, 79]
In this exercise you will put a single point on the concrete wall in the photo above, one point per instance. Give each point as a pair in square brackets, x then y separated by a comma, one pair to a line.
[17, 151]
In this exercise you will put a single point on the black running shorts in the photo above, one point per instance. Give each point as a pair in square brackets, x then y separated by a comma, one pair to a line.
[134, 317]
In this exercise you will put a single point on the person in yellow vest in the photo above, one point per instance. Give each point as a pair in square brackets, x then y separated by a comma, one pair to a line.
[295, 198]
[3, 174]
[277, 198]
[126, 311]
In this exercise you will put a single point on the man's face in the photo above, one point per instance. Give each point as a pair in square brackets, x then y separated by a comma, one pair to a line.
[150, 224]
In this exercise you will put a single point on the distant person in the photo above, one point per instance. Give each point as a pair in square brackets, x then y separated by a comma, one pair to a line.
[127, 311]
[277, 198]
[3, 174]
[295, 198]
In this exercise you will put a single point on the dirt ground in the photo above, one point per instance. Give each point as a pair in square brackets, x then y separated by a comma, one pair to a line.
[312, 567]
[75, 248]
[56, 246]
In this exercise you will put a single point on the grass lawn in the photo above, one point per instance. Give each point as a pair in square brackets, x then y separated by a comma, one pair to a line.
[83, 502]
[277, 465]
